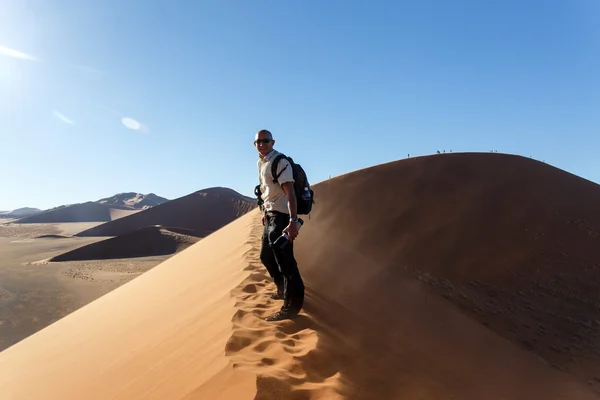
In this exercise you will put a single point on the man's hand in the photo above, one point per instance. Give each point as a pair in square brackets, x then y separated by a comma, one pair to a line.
[264, 219]
[292, 230]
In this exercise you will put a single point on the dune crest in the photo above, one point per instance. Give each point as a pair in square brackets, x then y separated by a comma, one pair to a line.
[281, 355]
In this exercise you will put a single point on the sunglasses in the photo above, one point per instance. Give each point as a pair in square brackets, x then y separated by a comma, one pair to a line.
[265, 141]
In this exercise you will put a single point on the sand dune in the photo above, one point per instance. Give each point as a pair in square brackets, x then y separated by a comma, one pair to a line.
[423, 278]
[19, 213]
[201, 212]
[511, 242]
[83, 212]
[145, 242]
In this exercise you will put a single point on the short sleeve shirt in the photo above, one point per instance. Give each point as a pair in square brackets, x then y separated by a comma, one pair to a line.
[273, 195]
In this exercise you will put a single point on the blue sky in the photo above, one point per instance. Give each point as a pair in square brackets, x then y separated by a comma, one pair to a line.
[342, 85]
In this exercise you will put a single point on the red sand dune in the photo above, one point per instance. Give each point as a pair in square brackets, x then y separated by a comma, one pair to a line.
[202, 212]
[423, 278]
[145, 242]
[511, 242]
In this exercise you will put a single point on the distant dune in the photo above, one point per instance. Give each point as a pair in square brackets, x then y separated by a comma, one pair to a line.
[103, 210]
[145, 242]
[201, 213]
[19, 212]
[82, 212]
[457, 276]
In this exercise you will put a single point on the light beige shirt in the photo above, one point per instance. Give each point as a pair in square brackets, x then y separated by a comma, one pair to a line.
[273, 195]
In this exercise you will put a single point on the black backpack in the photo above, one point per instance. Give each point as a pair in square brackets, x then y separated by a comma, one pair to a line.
[304, 194]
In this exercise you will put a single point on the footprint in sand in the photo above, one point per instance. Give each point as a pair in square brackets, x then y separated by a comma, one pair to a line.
[284, 355]
[251, 288]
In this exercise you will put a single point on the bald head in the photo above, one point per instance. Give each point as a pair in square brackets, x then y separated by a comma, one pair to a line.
[263, 134]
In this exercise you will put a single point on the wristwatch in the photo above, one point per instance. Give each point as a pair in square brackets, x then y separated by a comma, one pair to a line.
[294, 219]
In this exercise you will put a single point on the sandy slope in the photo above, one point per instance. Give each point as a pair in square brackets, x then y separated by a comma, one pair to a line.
[163, 338]
[510, 241]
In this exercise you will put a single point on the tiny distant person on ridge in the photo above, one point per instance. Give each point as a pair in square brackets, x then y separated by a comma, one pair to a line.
[279, 206]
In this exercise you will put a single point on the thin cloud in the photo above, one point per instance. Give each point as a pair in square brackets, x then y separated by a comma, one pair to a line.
[63, 118]
[134, 125]
[6, 51]
[128, 122]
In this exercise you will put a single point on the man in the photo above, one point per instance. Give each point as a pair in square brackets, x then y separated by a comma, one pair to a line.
[279, 206]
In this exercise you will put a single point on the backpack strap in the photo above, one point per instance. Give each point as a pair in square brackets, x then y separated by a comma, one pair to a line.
[274, 167]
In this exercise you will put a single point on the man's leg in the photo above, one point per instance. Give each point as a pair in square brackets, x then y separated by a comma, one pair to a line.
[267, 257]
[293, 287]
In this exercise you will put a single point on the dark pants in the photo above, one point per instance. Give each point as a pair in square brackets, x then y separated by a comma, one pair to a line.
[281, 264]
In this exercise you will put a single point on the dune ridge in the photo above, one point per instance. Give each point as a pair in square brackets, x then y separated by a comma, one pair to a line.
[202, 212]
[280, 355]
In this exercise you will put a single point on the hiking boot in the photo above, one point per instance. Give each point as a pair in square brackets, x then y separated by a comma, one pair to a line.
[281, 315]
[276, 296]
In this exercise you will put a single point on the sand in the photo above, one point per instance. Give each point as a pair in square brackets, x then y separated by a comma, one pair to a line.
[511, 242]
[35, 292]
[203, 337]
[461, 276]
[184, 321]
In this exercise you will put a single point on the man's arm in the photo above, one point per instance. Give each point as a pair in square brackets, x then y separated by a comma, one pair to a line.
[288, 188]
[293, 227]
